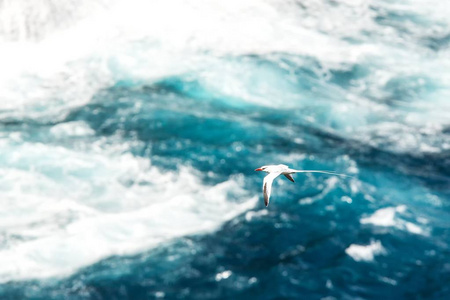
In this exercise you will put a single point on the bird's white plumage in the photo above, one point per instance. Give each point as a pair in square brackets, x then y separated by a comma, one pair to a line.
[267, 186]
[275, 170]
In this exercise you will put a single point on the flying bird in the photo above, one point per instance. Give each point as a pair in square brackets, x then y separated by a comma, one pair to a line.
[275, 170]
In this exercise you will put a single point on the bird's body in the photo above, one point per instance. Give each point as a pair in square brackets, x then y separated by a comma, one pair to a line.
[276, 170]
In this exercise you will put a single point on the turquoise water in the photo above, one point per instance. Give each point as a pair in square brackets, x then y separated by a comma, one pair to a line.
[130, 132]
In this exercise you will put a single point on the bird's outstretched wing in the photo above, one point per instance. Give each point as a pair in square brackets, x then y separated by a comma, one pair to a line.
[267, 186]
[324, 172]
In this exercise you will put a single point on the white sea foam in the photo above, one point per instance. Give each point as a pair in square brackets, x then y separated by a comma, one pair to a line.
[250, 215]
[71, 129]
[381, 217]
[365, 252]
[63, 209]
[144, 40]
[389, 217]
[223, 275]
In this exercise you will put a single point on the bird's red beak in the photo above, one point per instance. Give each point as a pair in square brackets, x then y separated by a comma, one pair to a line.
[259, 169]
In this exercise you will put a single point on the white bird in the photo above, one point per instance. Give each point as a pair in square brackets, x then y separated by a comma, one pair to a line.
[275, 170]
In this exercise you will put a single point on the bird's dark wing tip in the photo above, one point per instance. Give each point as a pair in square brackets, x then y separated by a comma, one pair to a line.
[266, 198]
[289, 176]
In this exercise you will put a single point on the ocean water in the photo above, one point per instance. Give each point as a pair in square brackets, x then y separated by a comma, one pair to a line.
[130, 131]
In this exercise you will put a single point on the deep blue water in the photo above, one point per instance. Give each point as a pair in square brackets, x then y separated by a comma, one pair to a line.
[128, 162]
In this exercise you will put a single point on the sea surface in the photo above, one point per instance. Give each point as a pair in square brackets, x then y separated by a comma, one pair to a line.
[130, 131]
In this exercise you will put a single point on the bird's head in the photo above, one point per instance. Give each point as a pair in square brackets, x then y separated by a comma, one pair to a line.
[263, 168]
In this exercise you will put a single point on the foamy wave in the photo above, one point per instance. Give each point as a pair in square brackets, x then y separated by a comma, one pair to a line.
[64, 209]
[365, 253]
[126, 41]
[388, 217]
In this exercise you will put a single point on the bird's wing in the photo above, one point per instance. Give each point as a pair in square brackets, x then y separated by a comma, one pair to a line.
[323, 172]
[267, 186]
[289, 176]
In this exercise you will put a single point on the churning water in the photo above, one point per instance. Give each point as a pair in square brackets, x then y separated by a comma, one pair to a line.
[129, 132]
